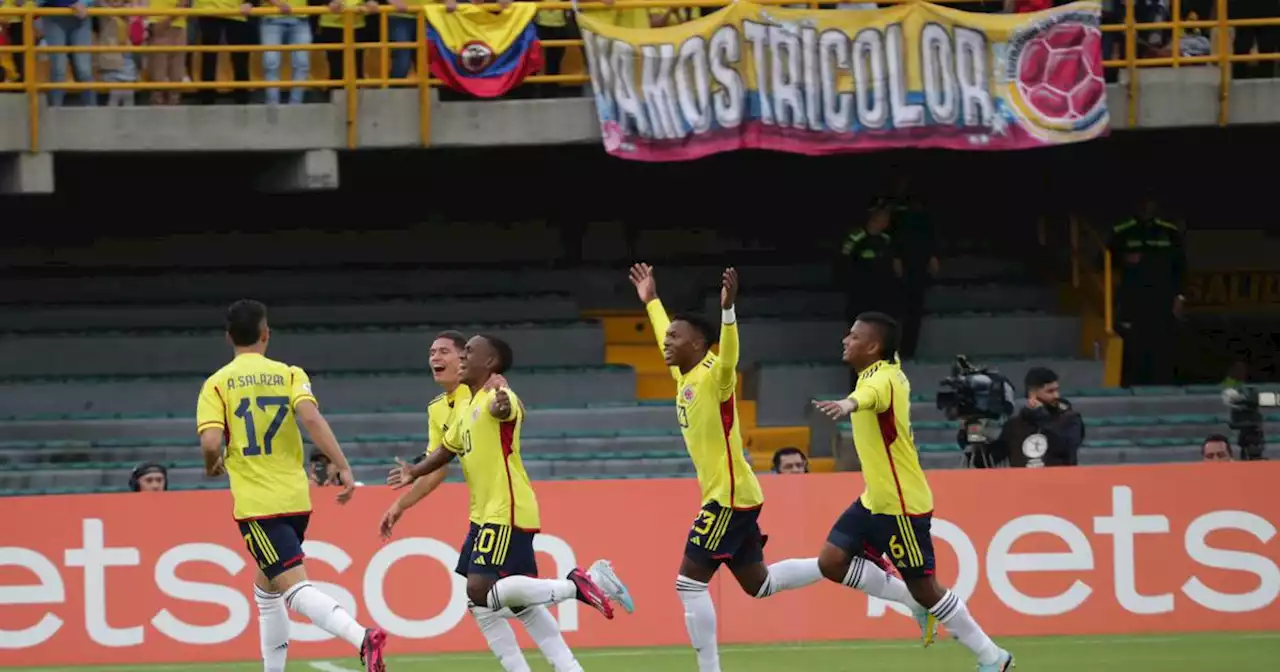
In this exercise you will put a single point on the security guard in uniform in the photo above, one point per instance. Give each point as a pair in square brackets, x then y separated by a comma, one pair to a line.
[866, 268]
[1152, 264]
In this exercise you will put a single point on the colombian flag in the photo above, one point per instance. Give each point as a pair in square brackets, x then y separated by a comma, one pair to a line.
[481, 53]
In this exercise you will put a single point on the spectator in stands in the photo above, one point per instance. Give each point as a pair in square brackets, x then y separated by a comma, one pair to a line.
[168, 31]
[1149, 302]
[555, 24]
[322, 471]
[286, 28]
[1266, 38]
[365, 25]
[1237, 375]
[790, 460]
[11, 34]
[402, 26]
[1046, 432]
[149, 477]
[1216, 448]
[229, 30]
[75, 30]
[118, 67]
[915, 259]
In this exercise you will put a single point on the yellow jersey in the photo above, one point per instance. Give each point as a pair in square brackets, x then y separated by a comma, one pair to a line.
[253, 401]
[331, 20]
[442, 413]
[223, 5]
[708, 417]
[178, 21]
[489, 450]
[886, 448]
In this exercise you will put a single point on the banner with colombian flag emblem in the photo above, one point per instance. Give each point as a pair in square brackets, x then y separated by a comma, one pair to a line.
[480, 52]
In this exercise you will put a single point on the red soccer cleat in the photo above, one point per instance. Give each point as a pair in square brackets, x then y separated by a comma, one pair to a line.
[590, 594]
[371, 650]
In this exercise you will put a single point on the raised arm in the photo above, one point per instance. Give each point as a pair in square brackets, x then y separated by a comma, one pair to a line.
[726, 369]
[647, 289]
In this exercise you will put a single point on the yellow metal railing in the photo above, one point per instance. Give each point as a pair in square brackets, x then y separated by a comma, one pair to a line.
[1095, 287]
[30, 53]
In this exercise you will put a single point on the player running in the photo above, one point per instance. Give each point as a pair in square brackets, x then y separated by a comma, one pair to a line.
[446, 353]
[726, 530]
[252, 406]
[895, 509]
[500, 566]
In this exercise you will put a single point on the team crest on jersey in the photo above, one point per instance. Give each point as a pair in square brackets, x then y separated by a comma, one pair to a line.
[687, 394]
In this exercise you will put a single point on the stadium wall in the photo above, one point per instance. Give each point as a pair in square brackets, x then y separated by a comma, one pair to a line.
[128, 579]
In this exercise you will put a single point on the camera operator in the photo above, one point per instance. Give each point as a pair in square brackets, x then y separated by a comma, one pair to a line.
[1046, 432]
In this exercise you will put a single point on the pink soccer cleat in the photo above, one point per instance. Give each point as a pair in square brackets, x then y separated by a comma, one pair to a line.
[590, 594]
[375, 639]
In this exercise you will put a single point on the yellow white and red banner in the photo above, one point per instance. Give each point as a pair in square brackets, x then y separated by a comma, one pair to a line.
[828, 81]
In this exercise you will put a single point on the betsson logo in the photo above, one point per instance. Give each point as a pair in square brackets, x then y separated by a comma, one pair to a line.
[94, 557]
[1123, 525]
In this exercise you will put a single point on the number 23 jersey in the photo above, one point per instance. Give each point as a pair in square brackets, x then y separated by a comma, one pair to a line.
[253, 401]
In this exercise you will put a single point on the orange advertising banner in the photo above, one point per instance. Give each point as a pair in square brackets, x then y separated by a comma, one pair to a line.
[142, 578]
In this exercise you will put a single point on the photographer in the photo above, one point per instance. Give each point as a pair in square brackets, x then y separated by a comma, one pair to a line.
[1044, 433]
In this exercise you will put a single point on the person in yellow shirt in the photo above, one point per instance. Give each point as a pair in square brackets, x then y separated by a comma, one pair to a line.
[232, 30]
[726, 529]
[365, 26]
[895, 511]
[443, 413]
[500, 562]
[167, 31]
[11, 34]
[247, 417]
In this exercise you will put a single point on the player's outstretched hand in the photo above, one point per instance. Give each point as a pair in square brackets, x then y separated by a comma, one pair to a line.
[728, 288]
[216, 469]
[348, 484]
[500, 407]
[834, 409]
[389, 520]
[646, 286]
[496, 382]
[400, 475]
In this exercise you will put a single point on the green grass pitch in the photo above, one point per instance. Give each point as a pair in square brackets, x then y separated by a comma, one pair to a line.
[1234, 652]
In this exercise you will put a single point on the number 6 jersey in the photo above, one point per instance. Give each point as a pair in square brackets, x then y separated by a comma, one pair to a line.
[252, 400]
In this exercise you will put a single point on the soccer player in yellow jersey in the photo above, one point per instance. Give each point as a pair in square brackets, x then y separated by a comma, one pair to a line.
[726, 530]
[896, 508]
[442, 414]
[485, 436]
[247, 417]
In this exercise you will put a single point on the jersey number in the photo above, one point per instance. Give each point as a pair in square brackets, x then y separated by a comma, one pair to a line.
[484, 542]
[703, 523]
[245, 412]
[895, 547]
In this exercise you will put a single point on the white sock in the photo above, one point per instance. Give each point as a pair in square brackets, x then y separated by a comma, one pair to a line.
[700, 620]
[545, 631]
[951, 612]
[524, 591]
[870, 579]
[273, 629]
[501, 638]
[327, 614]
[790, 574]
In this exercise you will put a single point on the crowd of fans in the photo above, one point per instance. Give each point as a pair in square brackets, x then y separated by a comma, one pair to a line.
[80, 29]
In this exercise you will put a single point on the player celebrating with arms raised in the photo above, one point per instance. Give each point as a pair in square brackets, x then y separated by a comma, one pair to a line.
[251, 404]
[443, 413]
[895, 509]
[500, 563]
[725, 530]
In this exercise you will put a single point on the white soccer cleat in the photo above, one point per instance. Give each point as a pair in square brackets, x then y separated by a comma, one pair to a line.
[602, 573]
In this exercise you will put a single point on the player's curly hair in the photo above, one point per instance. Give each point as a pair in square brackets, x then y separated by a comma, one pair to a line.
[890, 333]
[505, 356]
[701, 325]
[244, 321]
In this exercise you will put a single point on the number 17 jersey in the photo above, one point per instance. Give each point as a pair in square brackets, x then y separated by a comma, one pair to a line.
[253, 400]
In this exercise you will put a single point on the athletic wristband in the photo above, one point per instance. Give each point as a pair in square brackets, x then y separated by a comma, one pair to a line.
[727, 316]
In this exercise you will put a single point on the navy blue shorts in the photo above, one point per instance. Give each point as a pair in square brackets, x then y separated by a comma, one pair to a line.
[722, 535]
[906, 538]
[497, 550]
[275, 543]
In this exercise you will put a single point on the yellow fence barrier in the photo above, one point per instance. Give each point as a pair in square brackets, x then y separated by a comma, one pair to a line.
[30, 52]
[1095, 285]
